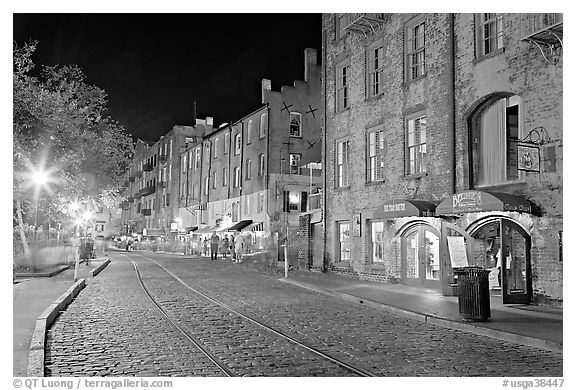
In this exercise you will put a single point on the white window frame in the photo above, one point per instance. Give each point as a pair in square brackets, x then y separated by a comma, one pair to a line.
[377, 241]
[237, 177]
[375, 154]
[342, 86]
[342, 163]
[206, 185]
[294, 160]
[416, 142]
[215, 148]
[249, 130]
[416, 49]
[263, 124]
[225, 176]
[237, 143]
[375, 69]
[490, 32]
[197, 158]
[293, 116]
[344, 246]
[226, 142]
[248, 174]
[261, 164]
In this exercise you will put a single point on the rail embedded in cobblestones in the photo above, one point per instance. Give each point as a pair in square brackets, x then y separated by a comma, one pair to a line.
[355, 370]
[36, 357]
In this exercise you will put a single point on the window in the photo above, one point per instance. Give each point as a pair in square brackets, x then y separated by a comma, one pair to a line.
[225, 176]
[295, 124]
[247, 205]
[184, 163]
[235, 211]
[189, 160]
[237, 143]
[495, 134]
[294, 161]
[260, 202]
[226, 143]
[490, 33]
[343, 241]
[376, 156]
[261, 164]
[214, 179]
[99, 227]
[342, 21]
[215, 150]
[377, 230]
[415, 51]
[342, 102]
[249, 131]
[263, 124]
[197, 158]
[375, 70]
[342, 159]
[293, 201]
[416, 145]
[206, 183]
[248, 174]
[237, 177]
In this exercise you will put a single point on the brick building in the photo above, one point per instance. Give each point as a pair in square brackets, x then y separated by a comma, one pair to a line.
[443, 143]
[245, 175]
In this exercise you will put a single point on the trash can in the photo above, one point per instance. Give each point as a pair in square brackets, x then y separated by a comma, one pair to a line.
[473, 293]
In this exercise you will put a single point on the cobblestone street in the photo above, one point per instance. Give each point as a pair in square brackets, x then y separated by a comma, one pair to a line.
[113, 328]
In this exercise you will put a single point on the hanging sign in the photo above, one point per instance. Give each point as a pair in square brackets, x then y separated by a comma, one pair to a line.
[457, 250]
[528, 158]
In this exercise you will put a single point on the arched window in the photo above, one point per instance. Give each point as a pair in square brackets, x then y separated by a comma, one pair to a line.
[496, 131]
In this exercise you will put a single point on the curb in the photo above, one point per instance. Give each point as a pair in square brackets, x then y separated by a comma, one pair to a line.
[42, 274]
[98, 269]
[433, 320]
[36, 357]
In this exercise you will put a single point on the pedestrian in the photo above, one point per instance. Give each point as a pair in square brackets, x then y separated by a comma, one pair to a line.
[224, 246]
[239, 248]
[214, 241]
[205, 246]
[232, 248]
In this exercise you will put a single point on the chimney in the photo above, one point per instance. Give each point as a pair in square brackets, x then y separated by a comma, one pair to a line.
[310, 58]
[266, 86]
[194, 113]
[209, 121]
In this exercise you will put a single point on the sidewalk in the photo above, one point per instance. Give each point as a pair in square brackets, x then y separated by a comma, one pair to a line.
[31, 296]
[530, 325]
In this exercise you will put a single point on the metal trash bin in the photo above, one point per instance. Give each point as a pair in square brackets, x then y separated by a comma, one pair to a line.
[473, 293]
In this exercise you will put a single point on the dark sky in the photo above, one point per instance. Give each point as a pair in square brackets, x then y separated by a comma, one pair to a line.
[153, 66]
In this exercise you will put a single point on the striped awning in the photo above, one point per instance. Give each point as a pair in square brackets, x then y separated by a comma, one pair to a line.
[255, 227]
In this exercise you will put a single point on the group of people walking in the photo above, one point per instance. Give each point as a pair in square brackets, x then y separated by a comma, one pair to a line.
[233, 245]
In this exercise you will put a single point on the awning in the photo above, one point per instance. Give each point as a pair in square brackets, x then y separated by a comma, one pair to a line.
[474, 201]
[404, 208]
[207, 229]
[191, 229]
[255, 227]
[240, 225]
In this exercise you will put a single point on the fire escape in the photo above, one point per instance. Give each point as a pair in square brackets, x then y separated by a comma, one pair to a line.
[364, 23]
[545, 31]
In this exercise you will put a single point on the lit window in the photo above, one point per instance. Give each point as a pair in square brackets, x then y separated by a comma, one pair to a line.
[295, 124]
[294, 161]
[206, 183]
[376, 156]
[263, 124]
[215, 148]
[294, 201]
[261, 164]
[416, 145]
[237, 177]
[248, 169]
[342, 159]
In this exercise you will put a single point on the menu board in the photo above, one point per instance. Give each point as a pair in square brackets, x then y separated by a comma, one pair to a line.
[457, 250]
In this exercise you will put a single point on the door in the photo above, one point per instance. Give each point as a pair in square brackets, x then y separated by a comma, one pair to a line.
[421, 256]
[515, 261]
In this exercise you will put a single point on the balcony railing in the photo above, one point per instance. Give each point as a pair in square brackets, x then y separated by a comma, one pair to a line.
[365, 23]
[315, 201]
[147, 167]
[545, 31]
[147, 190]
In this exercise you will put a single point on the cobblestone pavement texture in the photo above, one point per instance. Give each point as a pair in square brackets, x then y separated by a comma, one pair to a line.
[113, 329]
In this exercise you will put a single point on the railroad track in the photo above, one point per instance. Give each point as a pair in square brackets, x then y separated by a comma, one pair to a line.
[206, 350]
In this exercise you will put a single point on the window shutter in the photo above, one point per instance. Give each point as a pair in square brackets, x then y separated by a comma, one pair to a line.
[303, 201]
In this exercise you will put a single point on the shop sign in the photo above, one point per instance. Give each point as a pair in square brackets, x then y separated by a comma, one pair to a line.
[528, 158]
[173, 226]
[457, 251]
[394, 207]
[467, 201]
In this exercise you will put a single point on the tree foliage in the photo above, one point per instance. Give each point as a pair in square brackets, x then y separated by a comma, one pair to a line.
[61, 122]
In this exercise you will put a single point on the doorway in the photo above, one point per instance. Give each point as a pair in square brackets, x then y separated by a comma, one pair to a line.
[503, 247]
[421, 256]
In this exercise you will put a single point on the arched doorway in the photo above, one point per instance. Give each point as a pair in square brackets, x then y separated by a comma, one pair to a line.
[503, 246]
[421, 256]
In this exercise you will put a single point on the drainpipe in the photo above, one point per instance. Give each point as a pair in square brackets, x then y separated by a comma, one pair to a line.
[452, 115]
[324, 148]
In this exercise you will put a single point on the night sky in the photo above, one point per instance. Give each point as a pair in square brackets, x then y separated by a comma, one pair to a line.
[153, 66]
